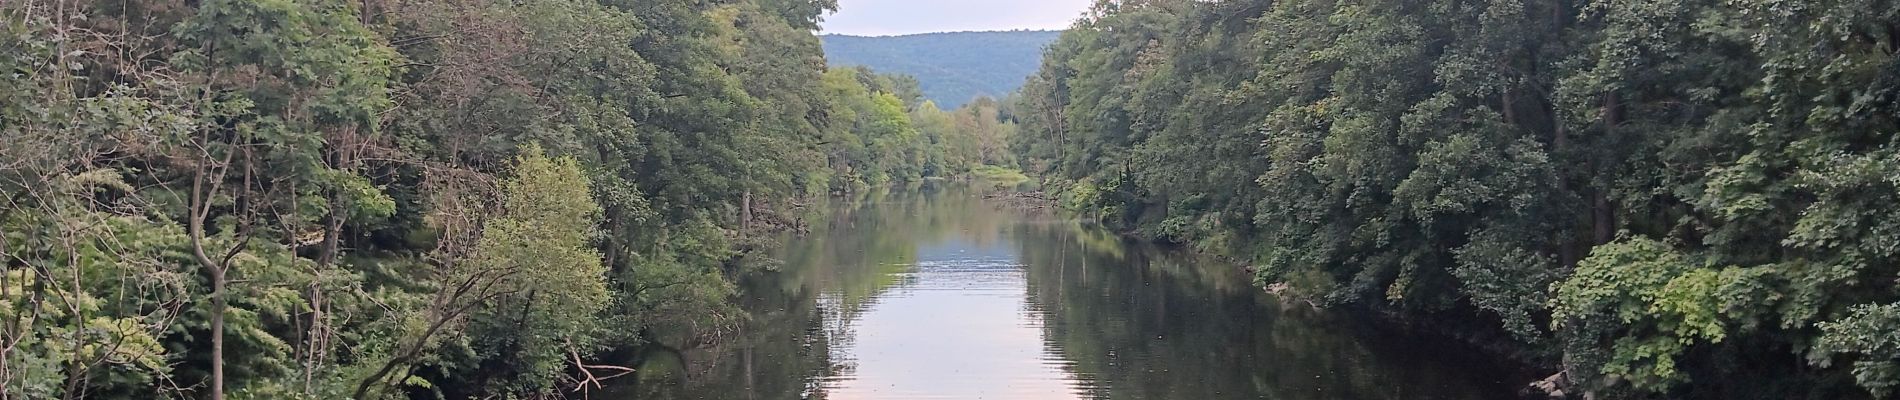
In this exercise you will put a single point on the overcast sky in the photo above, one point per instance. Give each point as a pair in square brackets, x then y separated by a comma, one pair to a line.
[900, 17]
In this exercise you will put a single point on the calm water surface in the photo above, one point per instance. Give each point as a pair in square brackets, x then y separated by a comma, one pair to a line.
[941, 295]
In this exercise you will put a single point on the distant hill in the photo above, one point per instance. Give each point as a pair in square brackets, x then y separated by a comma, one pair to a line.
[953, 67]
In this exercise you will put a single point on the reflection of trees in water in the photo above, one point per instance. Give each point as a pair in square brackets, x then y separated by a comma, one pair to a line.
[1132, 322]
[782, 352]
[1136, 323]
[802, 314]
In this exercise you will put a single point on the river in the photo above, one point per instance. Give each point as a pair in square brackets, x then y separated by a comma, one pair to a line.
[940, 294]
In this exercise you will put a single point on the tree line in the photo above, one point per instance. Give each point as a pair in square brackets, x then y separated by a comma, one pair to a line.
[1681, 199]
[415, 198]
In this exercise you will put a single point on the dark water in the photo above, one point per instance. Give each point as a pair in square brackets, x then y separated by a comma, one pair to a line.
[941, 295]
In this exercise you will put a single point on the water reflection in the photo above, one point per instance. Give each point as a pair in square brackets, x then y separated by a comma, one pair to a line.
[940, 295]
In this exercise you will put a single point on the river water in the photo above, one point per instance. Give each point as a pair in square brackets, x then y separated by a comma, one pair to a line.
[939, 294]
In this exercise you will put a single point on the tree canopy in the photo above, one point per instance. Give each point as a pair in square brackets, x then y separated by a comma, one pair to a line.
[1659, 199]
[415, 198]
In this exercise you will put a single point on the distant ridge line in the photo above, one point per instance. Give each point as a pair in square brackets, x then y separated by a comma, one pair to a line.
[938, 33]
[952, 68]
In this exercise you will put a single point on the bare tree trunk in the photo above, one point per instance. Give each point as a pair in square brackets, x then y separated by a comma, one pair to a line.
[198, 211]
[315, 339]
[1062, 135]
[751, 386]
[76, 368]
[7, 333]
[217, 333]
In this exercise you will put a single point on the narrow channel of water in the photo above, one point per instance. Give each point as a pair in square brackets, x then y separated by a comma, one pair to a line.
[941, 295]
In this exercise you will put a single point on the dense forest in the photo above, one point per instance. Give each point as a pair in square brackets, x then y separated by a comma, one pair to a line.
[283, 199]
[953, 68]
[1656, 199]
[375, 199]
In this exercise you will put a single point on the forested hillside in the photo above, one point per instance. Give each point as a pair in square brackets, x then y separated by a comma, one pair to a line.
[1683, 199]
[952, 68]
[280, 199]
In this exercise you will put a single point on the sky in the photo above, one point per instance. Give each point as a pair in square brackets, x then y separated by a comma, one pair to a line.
[902, 17]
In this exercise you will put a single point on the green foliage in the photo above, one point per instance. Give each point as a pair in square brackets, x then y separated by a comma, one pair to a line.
[1660, 198]
[69, 324]
[548, 288]
[543, 232]
[1655, 303]
[1000, 176]
[427, 199]
[877, 140]
[1867, 332]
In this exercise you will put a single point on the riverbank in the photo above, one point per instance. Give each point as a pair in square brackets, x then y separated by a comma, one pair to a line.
[1233, 249]
[943, 292]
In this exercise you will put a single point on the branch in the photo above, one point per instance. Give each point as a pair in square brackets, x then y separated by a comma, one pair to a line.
[587, 370]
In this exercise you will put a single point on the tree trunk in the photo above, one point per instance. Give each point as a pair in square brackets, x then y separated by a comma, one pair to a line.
[316, 339]
[6, 329]
[1604, 217]
[333, 221]
[217, 333]
[199, 210]
[751, 387]
[611, 253]
[1509, 107]
[1567, 252]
